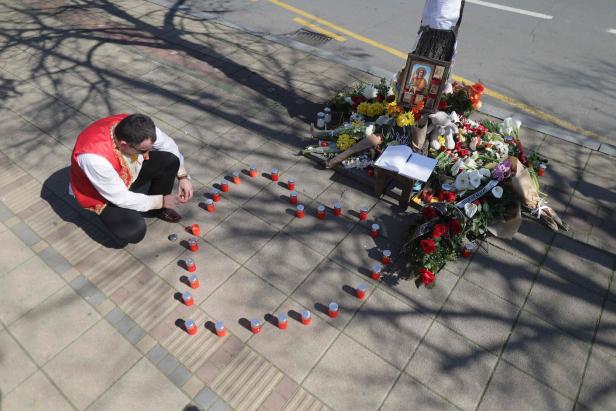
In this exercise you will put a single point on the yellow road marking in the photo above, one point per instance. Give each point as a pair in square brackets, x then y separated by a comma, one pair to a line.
[318, 29]
[492, 93]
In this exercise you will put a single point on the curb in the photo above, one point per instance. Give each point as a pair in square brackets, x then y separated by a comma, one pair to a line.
[528, 121]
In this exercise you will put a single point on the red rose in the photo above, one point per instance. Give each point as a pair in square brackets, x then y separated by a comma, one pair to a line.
[455, 227]
[429, 213]
[451, 197]
[463, 152]
[426, 276]
[439, 230]
[478, 88]
[442, 105]
[428, 246]
[379, 98]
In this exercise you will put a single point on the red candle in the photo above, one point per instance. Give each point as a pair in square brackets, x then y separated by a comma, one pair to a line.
[193, 245]
[209, 205]
[332, 310]
[370, 171]
[291, 184]
[306, 317]
[360, 291]
[467, 250]
[236, 177]
[274, 174]
[374, 230]
[283, 322]
[541, 169]
[299, 211]
[338, 209]
[253, 171]
[216, 195]
[321, 212]
[293, 197]
[363, 213]
[386, 257]
[224, 186]
[376, 272]
[255, 326]
[191, 327]
[190, 265]
[193, 281]
[221, 330]
[187, 298]
[195, 229]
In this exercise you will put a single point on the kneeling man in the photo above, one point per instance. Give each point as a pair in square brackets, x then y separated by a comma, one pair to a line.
[114, 157]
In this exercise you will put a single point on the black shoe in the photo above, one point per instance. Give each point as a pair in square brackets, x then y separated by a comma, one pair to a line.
[167, 214]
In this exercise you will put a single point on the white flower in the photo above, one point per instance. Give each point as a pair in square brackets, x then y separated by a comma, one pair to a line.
[474, 179]
[455, 169]
[369, 130]
[475, 155]
[470, 209]
[462, 181]
[497, 192]
[510, 126]
[390, 92]
[470, 163]
[454, 117]
[348, 100]
[369, 91]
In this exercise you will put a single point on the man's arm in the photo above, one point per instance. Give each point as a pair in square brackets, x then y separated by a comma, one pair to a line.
[108, 183]
[165, 143]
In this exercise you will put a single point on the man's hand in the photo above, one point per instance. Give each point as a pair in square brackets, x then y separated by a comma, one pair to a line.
[170, 201]
[185, 191]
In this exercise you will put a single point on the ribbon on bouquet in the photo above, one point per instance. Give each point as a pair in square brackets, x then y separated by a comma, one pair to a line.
[485, 190]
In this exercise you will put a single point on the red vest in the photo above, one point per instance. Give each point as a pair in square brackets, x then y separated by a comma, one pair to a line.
[97, 138]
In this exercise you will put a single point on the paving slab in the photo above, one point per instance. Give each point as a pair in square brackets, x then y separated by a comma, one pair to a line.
[101, 355]
[350, 377]
[37, 393]
[597, 390]
[15, 365]
[458, 369]
[409, 391]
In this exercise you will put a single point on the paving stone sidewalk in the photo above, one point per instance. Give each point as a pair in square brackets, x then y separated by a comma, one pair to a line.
[524, 324]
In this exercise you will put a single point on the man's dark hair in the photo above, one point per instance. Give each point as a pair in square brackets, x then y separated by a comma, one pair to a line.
[135, 128]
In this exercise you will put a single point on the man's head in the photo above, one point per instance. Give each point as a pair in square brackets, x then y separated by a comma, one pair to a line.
[135, 134]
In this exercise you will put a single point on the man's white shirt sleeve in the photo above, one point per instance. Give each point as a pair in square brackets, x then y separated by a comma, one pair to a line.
[109, 184]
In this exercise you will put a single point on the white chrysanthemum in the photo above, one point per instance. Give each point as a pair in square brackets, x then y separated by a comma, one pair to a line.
[462, 181]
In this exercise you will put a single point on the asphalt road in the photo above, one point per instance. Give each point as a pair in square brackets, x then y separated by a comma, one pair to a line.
[556, 55]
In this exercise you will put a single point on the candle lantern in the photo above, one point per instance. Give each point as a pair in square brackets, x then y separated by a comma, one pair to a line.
[332, 310]
[191, 327]
[386, 257]
[338, 209]
[193, 245]
[236, 177]
[291, 183]
[193, 281]
[328, 115]
[255, 326]
[253, 171]
[195, 229]
[224, 186]
[209, 205]
[282, 321]
[320, 120]
[360, 291]
[215, 195]
[274, 174]
[541, 169]
[376, 272]
[299, 211]
[363, 213]
[293, 197]
[190, 265]
[306, 317]
[187, 298]
[220, 328]
[321, 212]
[374, 230]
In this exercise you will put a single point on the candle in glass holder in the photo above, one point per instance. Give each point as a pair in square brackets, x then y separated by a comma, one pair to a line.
[306, 317]
[220, 328]
[374, 230]
[224, 186]
[376, 272]
[467, 250]
[236, 177]
[193, 245]
[320, 120]
[255, 326]
[338, 209]
[209, 205]
[191, 327]
[274, 174]
[328, 115]
[190, 265]
[291, 183]
[363, 213]
[360, 291]
[293, 197]
[253, 171]
[321, 212]
[215, 195]
[370, 171]
[187, 298]
[282, 321]
[386, 257]
[332, 310]
[193, 281]
[541, 169]
[299, 211]
[195, 229]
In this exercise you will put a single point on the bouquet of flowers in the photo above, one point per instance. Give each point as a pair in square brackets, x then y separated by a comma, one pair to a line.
[465, 98]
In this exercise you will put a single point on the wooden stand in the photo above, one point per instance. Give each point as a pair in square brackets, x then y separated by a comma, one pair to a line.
[382, 176]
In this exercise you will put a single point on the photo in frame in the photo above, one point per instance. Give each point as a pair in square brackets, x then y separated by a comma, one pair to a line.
[422, 79]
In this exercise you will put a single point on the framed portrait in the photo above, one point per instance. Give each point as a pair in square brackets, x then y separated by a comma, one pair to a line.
[422, 79]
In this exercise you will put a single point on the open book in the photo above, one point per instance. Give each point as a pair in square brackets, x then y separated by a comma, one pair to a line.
[405, 162]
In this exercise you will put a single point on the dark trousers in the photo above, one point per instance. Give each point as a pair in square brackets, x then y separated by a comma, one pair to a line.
[160, 172]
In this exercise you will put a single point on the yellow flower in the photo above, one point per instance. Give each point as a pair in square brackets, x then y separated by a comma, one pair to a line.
[362, 108]
[441, 139]
[344, 142]
[392, 108]
[405, 119]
